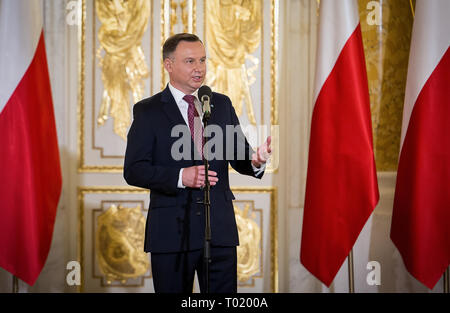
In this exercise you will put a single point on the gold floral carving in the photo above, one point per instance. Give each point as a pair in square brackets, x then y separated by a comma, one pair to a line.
[123, 63]
[233, 33]
[248, 251]
[120, 243]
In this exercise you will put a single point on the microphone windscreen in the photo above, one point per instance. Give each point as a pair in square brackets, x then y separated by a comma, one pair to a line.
[204, 91]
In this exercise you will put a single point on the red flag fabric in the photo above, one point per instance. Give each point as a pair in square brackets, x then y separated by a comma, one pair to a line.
[341, 186]
[420, 226]
[29, 158]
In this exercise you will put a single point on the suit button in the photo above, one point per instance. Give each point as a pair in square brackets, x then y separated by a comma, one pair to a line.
[198, 213]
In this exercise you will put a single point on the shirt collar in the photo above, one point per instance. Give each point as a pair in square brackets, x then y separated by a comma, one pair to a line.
[178, 94]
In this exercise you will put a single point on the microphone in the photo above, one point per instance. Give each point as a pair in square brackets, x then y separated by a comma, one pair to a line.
[205, 94]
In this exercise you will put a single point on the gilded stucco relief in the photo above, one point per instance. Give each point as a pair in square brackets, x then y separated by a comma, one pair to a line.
[123, 62]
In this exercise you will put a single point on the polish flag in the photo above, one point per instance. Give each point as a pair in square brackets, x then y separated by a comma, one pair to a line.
[421, 217]
[341, 185]
[29, 158]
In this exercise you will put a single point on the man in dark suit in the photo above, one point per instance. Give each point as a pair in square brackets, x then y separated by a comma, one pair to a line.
[175, 229]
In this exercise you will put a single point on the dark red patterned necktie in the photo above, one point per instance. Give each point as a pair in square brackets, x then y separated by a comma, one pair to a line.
[195, 124]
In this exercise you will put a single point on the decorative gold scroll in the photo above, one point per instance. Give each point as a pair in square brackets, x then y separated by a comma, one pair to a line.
[120, 243]
[273, 228]
[249, 250]
[233, 34]
[123, 64]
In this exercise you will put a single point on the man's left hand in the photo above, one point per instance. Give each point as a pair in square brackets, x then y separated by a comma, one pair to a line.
[262, 153]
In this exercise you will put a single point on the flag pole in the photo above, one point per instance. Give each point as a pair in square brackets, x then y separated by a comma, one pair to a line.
[446, 280]
[15, 286]
[351, 278]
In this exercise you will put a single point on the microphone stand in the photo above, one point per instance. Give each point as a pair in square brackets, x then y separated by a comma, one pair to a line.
[207, 204]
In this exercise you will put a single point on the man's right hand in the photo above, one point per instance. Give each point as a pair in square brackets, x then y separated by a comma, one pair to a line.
[194, 177]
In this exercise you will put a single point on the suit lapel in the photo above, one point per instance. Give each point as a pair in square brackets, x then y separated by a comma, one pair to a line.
[171, 109]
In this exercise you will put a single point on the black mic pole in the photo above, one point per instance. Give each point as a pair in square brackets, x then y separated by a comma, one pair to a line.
[205, 94]
[207, 204]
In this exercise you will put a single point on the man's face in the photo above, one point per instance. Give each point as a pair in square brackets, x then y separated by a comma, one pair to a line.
[187, 66]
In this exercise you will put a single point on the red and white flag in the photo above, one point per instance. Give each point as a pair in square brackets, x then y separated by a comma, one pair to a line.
[341, 186]
[421, 218]
[29, 158]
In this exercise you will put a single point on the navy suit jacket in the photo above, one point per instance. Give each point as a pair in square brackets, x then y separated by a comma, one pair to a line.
[176, 219]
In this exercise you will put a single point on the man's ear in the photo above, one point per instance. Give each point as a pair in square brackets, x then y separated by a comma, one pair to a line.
[168, 65]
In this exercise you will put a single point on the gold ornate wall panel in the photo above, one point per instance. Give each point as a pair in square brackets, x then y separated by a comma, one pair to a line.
[233, 36]
[119, 234]
[109, 250]
[242, 45]
[386, 28]
[115, 71]
[121, 63]
[121, 59]
[249, 223]
[257, 259]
